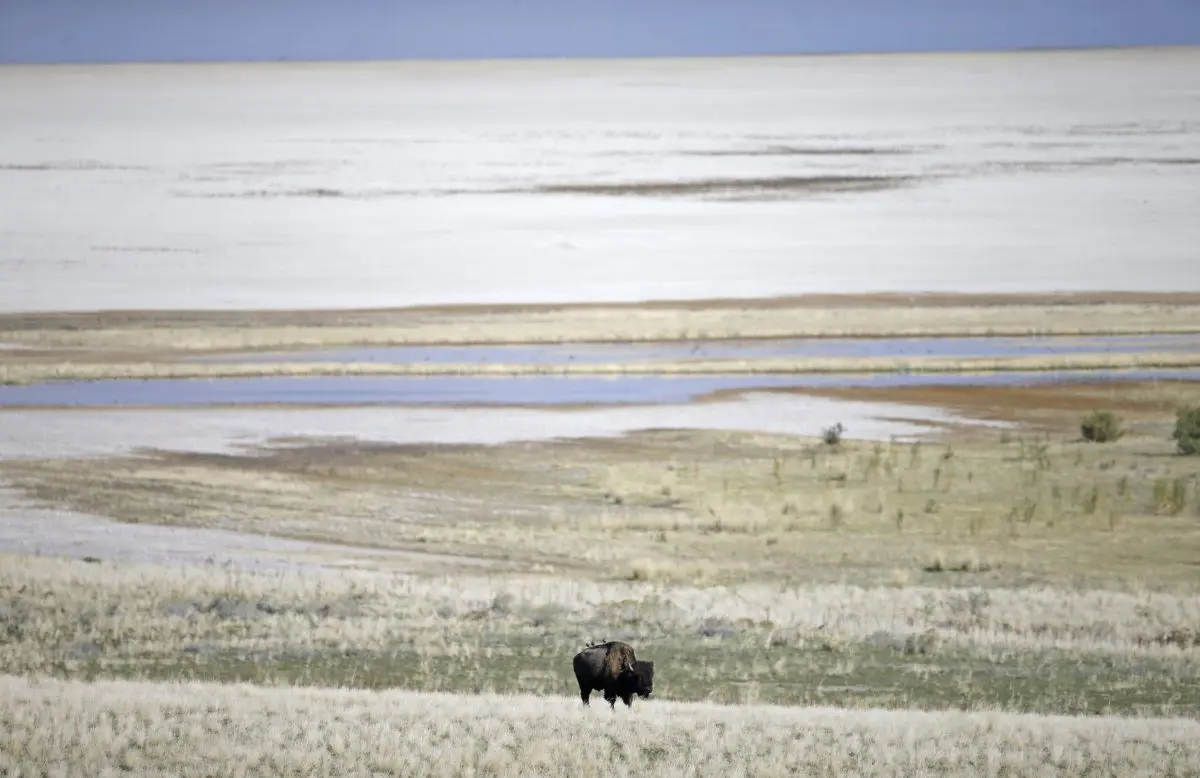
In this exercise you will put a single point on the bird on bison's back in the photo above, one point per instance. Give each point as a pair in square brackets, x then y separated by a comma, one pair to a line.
[612, 668]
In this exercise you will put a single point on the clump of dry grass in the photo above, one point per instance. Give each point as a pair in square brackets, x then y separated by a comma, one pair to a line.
[968, 562]
[50, 727]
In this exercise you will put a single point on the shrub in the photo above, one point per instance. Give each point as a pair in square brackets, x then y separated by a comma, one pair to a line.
[1101, 427]
[833, 435]
[1187, 430]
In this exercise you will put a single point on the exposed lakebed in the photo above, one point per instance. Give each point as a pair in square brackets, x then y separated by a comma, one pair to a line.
[502, 391]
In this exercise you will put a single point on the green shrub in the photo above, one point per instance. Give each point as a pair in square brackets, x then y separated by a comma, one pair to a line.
[1101, 427]
[833, 435]
[1187, 430]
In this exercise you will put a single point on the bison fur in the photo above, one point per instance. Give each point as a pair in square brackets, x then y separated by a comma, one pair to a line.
[614, 669]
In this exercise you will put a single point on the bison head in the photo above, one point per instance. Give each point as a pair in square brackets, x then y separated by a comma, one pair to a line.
[643, 678]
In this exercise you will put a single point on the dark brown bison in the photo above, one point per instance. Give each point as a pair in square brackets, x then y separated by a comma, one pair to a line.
[612, 668]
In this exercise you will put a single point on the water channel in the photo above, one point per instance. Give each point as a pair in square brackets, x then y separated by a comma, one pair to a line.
[502, 390]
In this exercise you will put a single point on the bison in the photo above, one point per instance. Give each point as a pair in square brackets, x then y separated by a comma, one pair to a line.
[612, 668]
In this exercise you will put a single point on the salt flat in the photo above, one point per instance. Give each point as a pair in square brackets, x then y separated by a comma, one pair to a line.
[392, 184]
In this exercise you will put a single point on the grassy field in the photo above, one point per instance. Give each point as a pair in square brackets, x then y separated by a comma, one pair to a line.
[1030, 649]
[1036, 595]
[120, 335]
[191, 729]
[39, 369]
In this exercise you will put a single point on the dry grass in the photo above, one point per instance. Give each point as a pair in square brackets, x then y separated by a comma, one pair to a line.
[70, 728]
[39, 369]
[130, 335]
[61, 612]
[1026, 650]
[691, 506]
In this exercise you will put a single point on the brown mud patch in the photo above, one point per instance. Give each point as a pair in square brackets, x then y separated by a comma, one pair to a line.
[1051, 406]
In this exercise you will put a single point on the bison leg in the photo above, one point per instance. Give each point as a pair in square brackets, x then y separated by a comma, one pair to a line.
[611, 698]
[627, 699]
[585, 683]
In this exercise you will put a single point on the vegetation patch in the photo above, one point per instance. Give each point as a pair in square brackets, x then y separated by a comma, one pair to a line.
[1187, 430]
[1101, 427]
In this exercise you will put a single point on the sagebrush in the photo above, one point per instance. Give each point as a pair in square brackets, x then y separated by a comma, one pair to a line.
[1101, 427]
[1187, 430]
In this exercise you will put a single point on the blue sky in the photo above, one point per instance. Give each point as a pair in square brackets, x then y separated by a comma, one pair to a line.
[133, 30]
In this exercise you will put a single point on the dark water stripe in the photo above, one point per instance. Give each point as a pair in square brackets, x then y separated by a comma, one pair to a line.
[482, 390]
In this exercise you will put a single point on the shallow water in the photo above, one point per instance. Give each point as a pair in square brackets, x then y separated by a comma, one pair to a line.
[484, 390]
[46, 432]
[591, 353]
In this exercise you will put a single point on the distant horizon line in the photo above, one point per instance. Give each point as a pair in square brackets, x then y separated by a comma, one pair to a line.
[603, 57]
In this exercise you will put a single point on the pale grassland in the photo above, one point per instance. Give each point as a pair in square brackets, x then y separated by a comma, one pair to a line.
[1034, 648]
[64, 611]
[14, 371]
[826, 316]
[191, 729]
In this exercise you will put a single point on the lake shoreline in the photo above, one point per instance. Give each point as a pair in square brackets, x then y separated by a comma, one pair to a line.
[132, 336]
